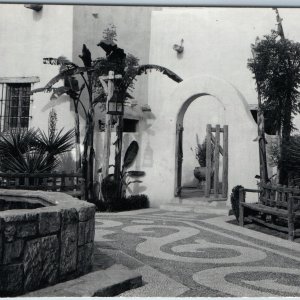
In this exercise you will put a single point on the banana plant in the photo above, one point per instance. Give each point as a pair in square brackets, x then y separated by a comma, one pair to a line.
[116, 60]
[130, 177]
[113, 188]
[67, 72]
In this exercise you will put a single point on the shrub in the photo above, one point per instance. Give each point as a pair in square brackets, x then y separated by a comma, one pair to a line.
[132, 202]
[137, 201]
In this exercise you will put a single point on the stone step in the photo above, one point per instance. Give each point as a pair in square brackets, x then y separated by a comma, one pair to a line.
[201, 201]
[103, 283]
[198, 205]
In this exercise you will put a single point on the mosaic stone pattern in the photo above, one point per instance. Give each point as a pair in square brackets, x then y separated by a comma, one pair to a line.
[200, 254]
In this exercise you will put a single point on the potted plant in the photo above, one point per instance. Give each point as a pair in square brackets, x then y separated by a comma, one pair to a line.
[200, 155]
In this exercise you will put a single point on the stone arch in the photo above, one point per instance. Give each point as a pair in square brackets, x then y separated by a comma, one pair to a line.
[243, 128]
[243, 151]
[179, 137]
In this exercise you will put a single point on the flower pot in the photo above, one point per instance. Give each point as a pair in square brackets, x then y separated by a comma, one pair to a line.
[200, 173]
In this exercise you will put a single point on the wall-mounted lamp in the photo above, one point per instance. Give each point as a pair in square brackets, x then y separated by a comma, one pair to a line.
[146, 108]
[179, 48]
[35, 7]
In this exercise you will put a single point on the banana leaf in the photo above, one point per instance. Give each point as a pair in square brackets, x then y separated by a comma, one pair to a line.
[136, 173]
[130, 154]
[143, 69]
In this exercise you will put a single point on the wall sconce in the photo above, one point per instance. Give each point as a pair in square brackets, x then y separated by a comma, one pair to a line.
[146, 108]
[179, 48]
[35, 7]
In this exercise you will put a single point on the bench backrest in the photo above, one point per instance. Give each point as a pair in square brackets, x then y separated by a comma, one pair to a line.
[279, 195]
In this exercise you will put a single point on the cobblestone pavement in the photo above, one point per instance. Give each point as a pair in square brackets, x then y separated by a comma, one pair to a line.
[197, 254]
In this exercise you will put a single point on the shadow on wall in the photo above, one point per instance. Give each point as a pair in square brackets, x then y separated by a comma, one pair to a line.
[37, 15]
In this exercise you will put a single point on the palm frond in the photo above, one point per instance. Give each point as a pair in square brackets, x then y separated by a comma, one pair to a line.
[36, 161]
[57, 143]
[19, 141]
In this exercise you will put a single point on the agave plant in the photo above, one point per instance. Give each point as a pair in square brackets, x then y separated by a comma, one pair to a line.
[32, 161]
[17, 141]
[33, 151]
[56, 143]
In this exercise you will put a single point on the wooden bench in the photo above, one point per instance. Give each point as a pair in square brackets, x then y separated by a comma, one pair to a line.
[278, 207]
[69, 183]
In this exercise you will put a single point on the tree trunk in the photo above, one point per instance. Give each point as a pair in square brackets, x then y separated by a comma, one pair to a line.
[285, 140]
[85, 166]
[77, 141]
[108, 120]
[91, 156]
[118, 154]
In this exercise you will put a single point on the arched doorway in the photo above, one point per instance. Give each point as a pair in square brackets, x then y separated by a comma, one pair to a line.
[192, 121]
[243, 151]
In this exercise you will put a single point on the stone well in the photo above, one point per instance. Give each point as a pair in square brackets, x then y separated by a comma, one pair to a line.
[45, 238]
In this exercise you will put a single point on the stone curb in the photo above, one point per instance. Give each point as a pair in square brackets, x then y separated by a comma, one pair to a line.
[44, 245]
[104, 283]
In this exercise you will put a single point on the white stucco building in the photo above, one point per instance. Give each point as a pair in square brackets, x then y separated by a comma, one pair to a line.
[217, 87]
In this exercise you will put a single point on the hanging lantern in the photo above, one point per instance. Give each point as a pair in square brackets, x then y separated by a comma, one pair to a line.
[115, 107]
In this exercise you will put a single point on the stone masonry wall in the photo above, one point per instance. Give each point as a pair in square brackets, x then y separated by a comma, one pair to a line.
[43, 246]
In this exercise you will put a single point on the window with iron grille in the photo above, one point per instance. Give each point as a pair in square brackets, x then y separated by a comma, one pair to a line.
[14, 106]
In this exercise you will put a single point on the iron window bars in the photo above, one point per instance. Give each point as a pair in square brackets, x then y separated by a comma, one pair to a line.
[14, 106]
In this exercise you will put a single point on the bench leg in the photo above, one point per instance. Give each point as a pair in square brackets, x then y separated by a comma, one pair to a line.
[241, 215]
[291, 227]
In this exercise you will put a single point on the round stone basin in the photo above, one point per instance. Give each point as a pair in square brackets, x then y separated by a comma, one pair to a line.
[45, 238]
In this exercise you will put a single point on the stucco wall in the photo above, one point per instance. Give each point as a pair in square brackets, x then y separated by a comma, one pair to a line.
[216, 43]
[28, 36]
[242, 131]
[133, 35]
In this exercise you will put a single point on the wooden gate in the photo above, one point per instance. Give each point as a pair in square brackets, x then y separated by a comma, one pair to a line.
[213, 151]
[178, 160]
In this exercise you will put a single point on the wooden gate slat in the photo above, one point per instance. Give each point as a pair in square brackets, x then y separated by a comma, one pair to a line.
[216, 162]
[225, 163]
[220, 147]
[208, 160]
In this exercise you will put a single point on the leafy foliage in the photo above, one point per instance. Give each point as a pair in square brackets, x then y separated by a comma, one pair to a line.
[32, 161]
[33, 151]
[17, 141]
[115, 60]
[110, 33]
[200, 152]
[290, 158]
[277, 70]
[132, 202]
[130, 154]
[111, 187]
[57, 143]
[276, 67]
